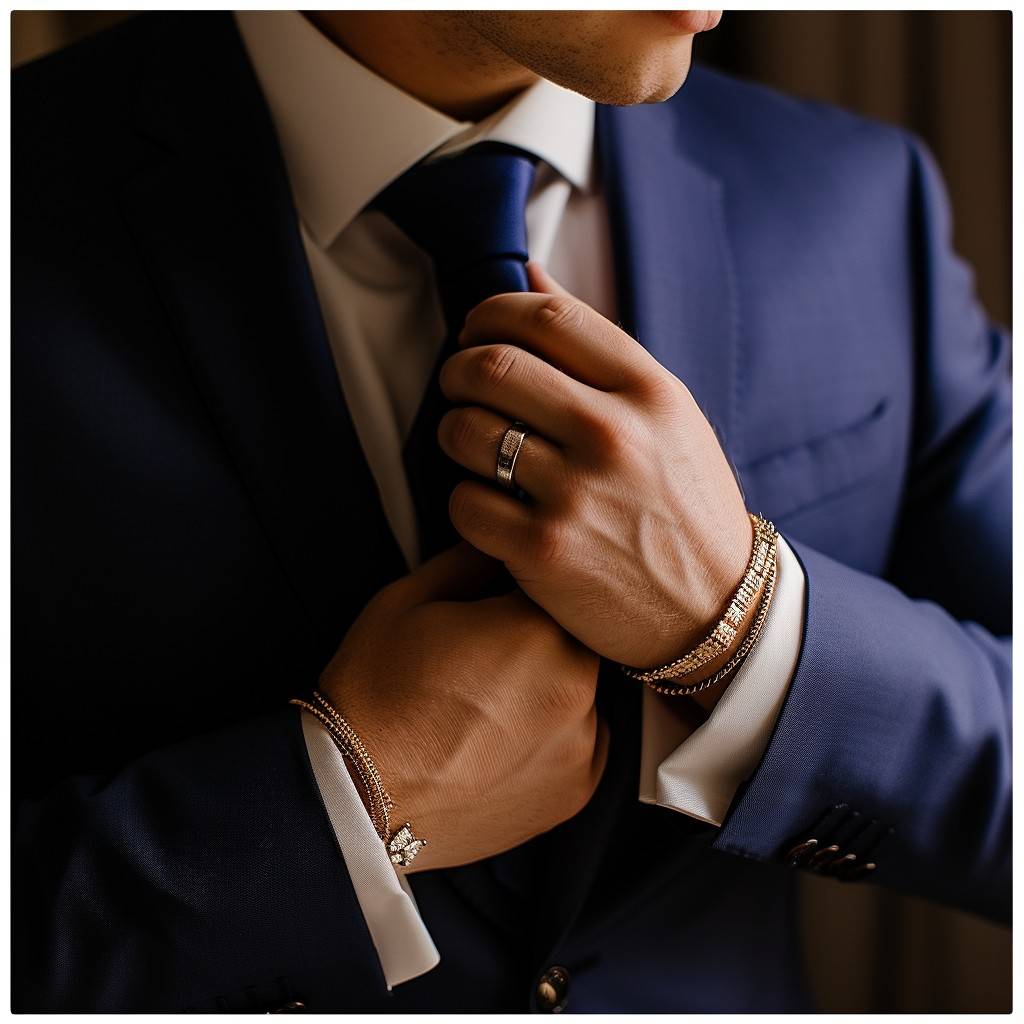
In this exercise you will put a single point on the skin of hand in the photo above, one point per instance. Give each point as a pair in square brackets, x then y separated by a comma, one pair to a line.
[635, 534]
[477, 711]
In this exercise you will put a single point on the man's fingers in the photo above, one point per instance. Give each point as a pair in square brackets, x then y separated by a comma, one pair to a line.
[564, 331]
[519, 385]
[541, 281]
[472, 436]
[462, 573]
[495, 523]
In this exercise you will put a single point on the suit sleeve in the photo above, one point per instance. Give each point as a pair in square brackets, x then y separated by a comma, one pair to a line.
[204, 876]
[890, 760]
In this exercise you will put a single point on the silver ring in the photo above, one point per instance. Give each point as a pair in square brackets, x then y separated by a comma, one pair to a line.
[508, 451]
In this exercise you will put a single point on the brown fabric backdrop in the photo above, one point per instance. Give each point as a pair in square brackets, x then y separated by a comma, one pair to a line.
[947, 76]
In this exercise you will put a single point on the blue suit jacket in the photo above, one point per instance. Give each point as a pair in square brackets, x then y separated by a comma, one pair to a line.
[195, 528]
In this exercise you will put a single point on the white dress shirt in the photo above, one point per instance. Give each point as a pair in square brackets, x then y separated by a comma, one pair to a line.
[345, 134]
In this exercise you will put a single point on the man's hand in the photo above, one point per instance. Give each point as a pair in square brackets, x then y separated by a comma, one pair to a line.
[479, 714]
[636, 534]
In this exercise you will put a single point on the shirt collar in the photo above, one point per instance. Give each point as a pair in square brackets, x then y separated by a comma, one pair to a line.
[328, 110]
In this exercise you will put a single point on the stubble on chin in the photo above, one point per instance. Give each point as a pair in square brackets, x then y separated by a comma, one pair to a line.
[584, 64]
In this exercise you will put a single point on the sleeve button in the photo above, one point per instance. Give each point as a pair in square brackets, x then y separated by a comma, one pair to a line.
[800, 852]
[553, 990]
[824, 857]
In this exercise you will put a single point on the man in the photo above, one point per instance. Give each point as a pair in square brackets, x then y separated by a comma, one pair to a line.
[271, 303]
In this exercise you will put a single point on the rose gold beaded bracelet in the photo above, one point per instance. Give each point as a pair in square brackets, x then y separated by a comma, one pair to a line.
[402, 845]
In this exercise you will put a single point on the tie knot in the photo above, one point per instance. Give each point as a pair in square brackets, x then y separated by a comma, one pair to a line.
[468, 213]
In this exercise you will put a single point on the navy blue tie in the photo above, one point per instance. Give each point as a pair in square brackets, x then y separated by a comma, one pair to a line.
[468, 213]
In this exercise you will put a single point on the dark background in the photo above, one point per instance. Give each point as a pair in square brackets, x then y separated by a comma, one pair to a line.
[945, 75]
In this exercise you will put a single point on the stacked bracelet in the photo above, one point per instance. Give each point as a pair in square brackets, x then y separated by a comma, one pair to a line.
[402, 845]
[758, 582]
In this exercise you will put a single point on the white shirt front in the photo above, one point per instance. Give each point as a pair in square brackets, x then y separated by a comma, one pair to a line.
[345, 134]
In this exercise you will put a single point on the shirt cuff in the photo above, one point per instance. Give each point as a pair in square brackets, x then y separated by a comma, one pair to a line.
[404, 946]
[697, 771]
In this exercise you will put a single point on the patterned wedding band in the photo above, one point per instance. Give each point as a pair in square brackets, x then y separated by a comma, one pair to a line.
[508, 451]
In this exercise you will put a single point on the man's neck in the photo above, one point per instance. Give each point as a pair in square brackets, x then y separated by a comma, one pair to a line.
[432, 55]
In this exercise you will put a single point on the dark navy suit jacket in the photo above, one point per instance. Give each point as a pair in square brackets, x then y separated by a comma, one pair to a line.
[195, 528]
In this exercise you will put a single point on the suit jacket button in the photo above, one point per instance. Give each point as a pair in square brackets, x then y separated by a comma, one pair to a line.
[800, 853]
[553, 990]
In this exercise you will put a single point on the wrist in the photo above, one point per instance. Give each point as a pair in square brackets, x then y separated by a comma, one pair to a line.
[724, 649]
[742, 626]
[707, 699]
[705, 594]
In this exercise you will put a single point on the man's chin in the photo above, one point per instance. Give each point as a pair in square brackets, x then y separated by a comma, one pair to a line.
[645, 92]
[668, 89]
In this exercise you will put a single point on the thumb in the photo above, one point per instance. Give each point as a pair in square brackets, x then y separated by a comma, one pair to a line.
[461, 573]
[541, 281]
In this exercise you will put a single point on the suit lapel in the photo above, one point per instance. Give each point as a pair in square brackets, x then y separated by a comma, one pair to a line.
[212, 214]
[673, 266]
[676, 296]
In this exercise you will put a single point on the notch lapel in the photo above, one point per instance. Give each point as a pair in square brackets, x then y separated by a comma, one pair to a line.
[673, 266]
[211, 211]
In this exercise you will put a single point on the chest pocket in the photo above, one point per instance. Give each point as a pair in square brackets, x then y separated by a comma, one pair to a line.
[783, 484]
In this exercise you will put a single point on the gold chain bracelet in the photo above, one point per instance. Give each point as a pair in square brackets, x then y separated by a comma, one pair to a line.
[402, 845]
[734, 663]
[758, 579]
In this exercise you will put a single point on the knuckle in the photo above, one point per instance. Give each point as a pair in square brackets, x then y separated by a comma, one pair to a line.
[462, 430]
[461, 506]
[570, 694]
[594, 424]
[494, 364]
[485, 306]
[564, 700]
[549, 542]
[579, 697]
[610, 432]
[561, 313]
[391, 598]
[584, 743]
[662, 392]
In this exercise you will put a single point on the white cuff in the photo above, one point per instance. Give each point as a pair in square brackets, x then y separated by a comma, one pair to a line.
[697, 771]
[403, 944]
